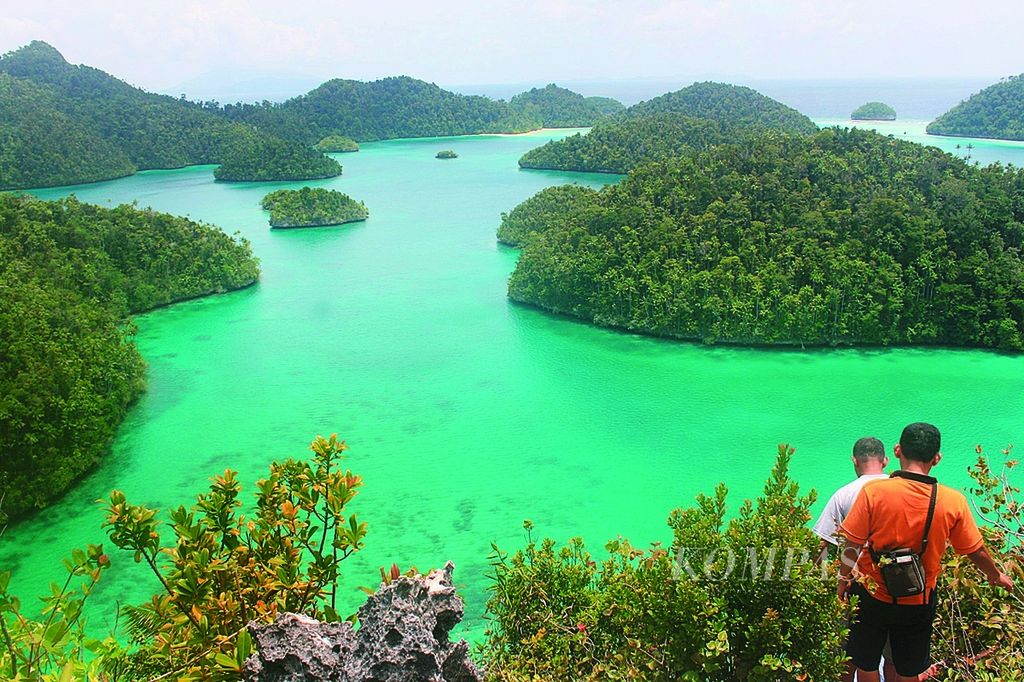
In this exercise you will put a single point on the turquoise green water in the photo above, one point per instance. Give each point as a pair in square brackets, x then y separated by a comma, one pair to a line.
[467, 414]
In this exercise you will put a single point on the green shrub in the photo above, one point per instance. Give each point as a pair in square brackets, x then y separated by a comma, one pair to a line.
[732, 600]
[979, 630]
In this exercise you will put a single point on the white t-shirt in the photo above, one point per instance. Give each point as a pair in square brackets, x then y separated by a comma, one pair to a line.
[839, 506]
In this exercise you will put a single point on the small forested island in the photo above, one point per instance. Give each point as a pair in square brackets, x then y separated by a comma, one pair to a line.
[685, 121]
[272, 159]
[64, 124]
[873, 111]
[312, 207]
[70, 274]
[997, 112]
[841, 238]
[337, 143]
[561, 108]
[446, 154]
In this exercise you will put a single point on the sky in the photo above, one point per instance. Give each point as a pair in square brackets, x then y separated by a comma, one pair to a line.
[196, 45]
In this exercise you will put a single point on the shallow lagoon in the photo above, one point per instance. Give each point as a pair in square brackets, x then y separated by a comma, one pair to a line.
[465, 413]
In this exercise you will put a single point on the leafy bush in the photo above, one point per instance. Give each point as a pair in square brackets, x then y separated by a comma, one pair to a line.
[732, 600]
[979, 630]
[225, 569]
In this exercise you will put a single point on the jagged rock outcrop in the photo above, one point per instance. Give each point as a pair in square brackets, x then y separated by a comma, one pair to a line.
[402, 637]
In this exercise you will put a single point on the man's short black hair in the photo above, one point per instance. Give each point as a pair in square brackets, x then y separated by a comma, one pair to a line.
[868, 448]
[920, 442]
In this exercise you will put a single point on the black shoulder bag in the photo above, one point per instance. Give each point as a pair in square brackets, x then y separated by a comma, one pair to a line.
[901, 569]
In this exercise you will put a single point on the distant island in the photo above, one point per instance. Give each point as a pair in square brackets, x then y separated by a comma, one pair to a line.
[337, 143]
[845, 237]
[446, 154]
[71, 274]
[64, 124]
[401, 106]
[684, 121]
[312, 207]
[873, 111]
[557, 107]
[997, 112]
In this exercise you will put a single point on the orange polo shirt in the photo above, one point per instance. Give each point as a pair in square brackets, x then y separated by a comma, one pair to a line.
[890, 514]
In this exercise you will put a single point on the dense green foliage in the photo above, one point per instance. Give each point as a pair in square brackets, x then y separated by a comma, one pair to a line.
[309, 207]
[730, 105]
[126, 126]
[995, 112]
[731, 600]
[619, 145]
[262, 158]
[845, 237]
[560, 108]
[680, 122]
[446, 154]
[221, 570]
[874, 111]
[380, 110]
[70, 273]
[337, 143]
[41, 146]
[525, 220]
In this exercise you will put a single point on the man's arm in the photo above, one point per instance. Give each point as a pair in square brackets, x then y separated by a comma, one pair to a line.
[847, 560]
[983, 560]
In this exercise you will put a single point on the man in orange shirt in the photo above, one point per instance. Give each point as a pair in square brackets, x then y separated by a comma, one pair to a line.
[892, 514]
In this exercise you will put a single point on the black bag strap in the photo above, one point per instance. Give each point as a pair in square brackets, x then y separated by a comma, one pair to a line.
[930, 480]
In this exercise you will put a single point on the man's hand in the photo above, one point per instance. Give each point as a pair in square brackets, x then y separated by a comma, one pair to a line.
[996, 578]
[843, 588]
[1002, 580]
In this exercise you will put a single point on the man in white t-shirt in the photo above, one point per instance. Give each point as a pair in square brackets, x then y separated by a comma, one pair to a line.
[869, 462]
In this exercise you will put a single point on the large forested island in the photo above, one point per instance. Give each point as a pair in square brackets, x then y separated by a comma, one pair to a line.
[54, 111]
[312, 207]
[557, 107]
[873, 111]
[996, 112]
[70, 274]
[730, 105]
[844, 237]
[405, 107]
[51, 111]
[693, 118]
[619, 145]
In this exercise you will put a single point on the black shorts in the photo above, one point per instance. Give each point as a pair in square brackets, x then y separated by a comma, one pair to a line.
[909, 629]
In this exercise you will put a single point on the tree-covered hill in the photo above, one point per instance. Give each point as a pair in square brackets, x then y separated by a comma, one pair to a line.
[730, 105]
[312, 207]
[383, 109]
[680, 122]
[557, 107]
[995, 112]
[615, 146]
[152, 131]
[544, 208]
[844, 237]
[70, 273]
[873, 111]
[40, 146]
[255, 157]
